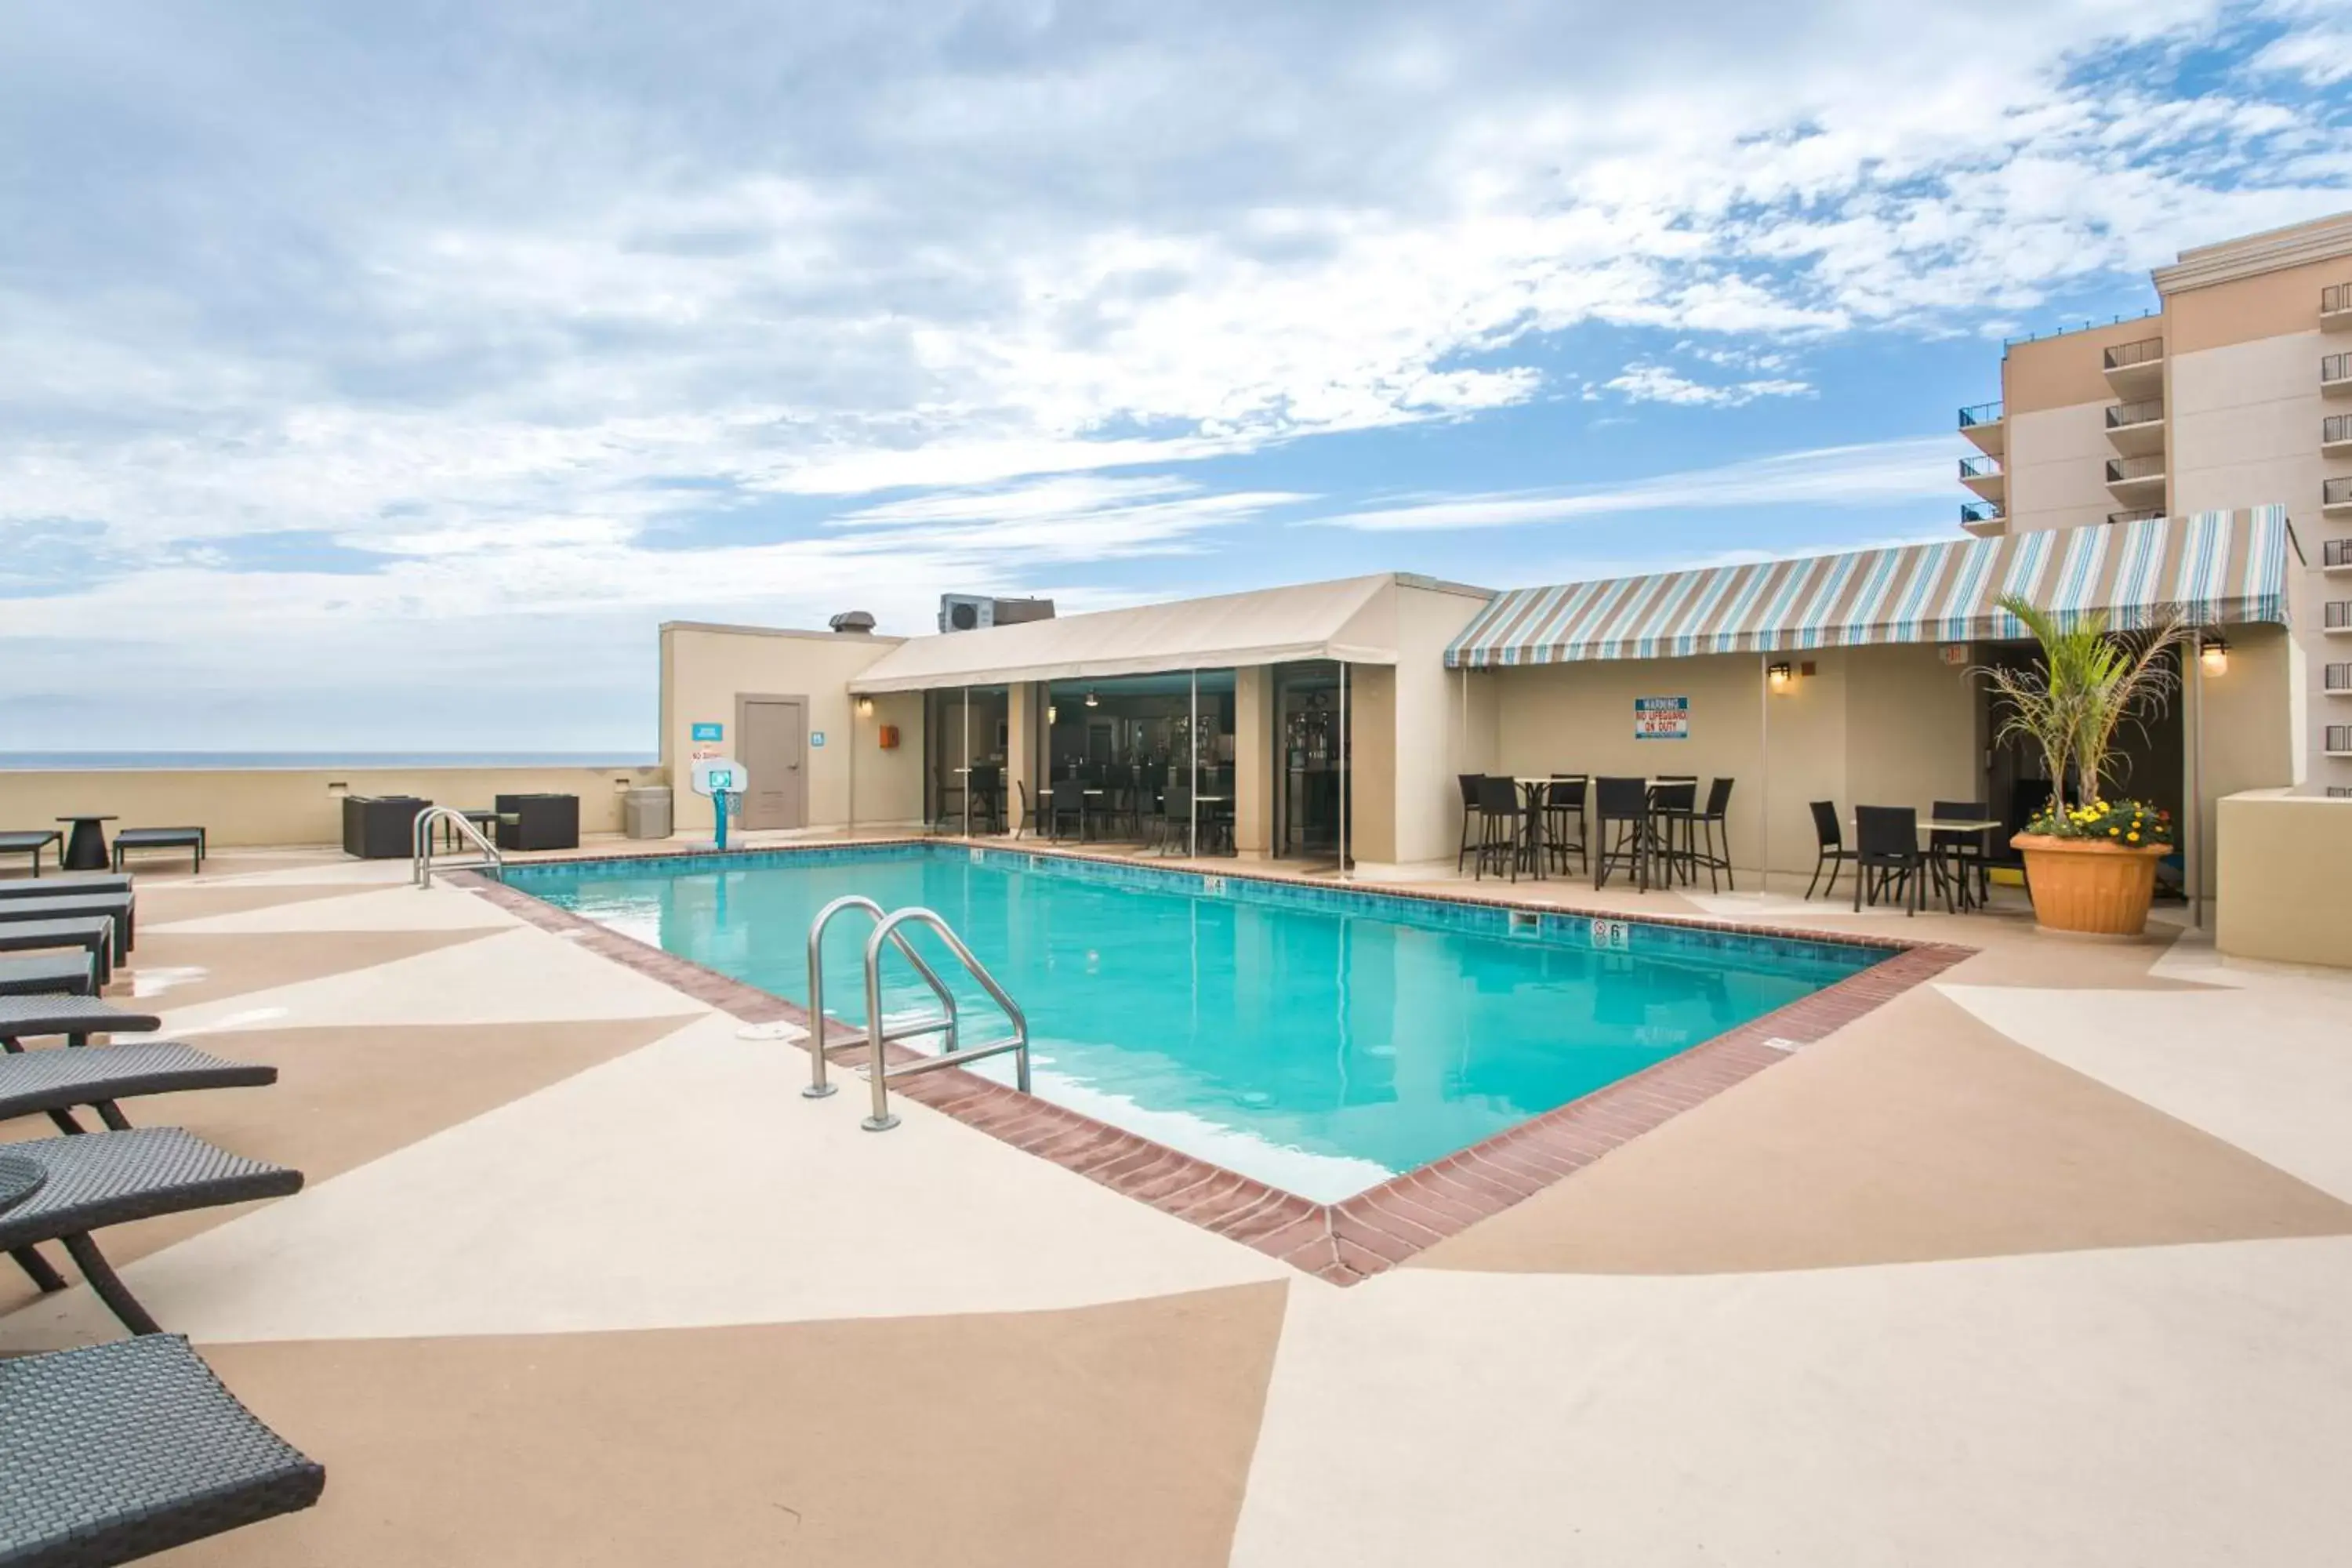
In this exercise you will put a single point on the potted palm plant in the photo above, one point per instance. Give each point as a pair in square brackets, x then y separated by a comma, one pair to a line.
[2090, 861]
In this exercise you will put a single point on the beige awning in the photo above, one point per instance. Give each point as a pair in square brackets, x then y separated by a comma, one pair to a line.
[1353, 619]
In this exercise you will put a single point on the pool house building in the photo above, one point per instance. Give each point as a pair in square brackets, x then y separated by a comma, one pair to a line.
[1302, 720]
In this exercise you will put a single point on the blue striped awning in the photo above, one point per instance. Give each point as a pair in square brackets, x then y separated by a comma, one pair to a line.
[2215, 568]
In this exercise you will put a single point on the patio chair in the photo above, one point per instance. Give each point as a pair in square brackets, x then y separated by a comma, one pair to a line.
[70, 883]
[118, 1451]
[1886, 857]
[1834, 852]
[1064, 801]
[68, 1187]
[47, 973]
[94, 934]
[1962, 856]
[119, 908]
[189, 838]
[1620, 829]
[51, 1082]
[1706, 834]
[1673, 808]
[1469, 782]
[1177, 824]
[29, 843]
[1564, 819]
[1502, 829]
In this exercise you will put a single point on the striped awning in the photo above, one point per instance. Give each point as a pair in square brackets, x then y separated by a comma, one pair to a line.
[2212, 568]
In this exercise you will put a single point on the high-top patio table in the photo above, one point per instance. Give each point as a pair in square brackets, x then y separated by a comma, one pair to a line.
[86, 843]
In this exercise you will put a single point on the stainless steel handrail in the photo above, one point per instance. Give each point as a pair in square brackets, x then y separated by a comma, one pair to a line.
[877, 1037]
[421, 869]
[817, 1087]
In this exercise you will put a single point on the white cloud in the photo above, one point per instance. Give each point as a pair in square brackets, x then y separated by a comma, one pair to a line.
[1832, 476]
[1646, 381]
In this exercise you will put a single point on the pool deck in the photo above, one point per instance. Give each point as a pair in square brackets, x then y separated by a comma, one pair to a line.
[2043, 1260]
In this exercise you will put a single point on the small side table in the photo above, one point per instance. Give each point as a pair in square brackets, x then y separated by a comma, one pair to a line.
[86, 845]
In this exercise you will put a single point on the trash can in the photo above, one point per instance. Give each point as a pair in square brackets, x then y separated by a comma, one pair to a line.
[644, 813]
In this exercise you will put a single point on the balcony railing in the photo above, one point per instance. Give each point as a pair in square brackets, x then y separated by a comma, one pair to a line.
[1979, 511]
[2336, 616]
[1981, 414]
[2335, 368]
[2335, 428]
[2335, 553]
[2145, 412]
[2339, 740]
[2336, 493]
[2122, 470]
[1979, 468]
[2137, 514]
[2144, 352]
[2334, 298]
[2338, 678]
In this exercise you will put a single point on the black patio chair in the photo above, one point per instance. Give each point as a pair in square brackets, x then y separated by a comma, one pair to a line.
[1178, 825]
[1469, 782]
[1620, 829]
[1564, 819]
[1502, 829]
[52, 1082]
[1834, 852]
[118, 1451]
[68, 1187]
[1961, 858]
[1886, 857]
[1674, 807]
[1707, 835]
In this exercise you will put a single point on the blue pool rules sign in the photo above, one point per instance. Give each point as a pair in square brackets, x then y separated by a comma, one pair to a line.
[710, 731]
[1662, 718]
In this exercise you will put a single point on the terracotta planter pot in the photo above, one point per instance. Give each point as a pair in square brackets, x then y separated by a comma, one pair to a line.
[2081, 886]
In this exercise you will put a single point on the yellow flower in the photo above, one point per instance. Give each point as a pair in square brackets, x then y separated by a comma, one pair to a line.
[2132, 837]
[2113, 831]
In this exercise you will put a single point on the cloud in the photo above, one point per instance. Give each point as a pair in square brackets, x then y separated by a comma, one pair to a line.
[1832, 476]
[1647, 382]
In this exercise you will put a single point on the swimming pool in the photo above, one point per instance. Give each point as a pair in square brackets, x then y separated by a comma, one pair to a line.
[1321, 1039]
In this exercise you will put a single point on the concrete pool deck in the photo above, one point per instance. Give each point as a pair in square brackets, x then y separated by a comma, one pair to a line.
[2041, 1262]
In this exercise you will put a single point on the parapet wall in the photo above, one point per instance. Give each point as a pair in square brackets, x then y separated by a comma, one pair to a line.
[2284, 877]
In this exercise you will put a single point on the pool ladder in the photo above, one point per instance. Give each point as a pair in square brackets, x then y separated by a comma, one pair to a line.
[420, 870]
[948, 1024]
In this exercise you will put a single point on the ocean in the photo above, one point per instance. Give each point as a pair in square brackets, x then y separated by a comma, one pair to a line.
[65, 762]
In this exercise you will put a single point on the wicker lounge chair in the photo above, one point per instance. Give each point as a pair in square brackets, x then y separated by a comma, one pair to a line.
[71, 883]
[48, 974]
[29, 843]
[94, 934]
[52, 1082]
[89, 1182]
[189, 838]
[76, 1017]
[119, 908]
[123, 1450]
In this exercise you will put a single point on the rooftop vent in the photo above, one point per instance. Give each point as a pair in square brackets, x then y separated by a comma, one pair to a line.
[858, 623]
[970, 612]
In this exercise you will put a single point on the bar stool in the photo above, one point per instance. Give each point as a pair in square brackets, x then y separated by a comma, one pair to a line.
[1502, 827]
[1621, 804]
[1564, 819]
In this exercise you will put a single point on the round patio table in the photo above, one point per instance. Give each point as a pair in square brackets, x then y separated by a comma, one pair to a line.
[86, 845]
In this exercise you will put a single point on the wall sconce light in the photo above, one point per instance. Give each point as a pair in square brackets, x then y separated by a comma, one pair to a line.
[2215, 655]
[1052, 714]
[1092, 701]
[866, 708]
[1780, 676]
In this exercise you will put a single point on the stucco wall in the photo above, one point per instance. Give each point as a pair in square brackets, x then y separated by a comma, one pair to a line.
[1428, 802]
[2057, 467]
[1374, 749]
[250, 806]
[2251, 732]
[704, 669]
[2285, 882]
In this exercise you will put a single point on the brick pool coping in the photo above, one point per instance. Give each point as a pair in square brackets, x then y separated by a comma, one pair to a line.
[1349, 1241]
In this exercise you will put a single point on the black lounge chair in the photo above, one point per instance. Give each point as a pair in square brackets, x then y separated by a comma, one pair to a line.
[94, 934]
[70, 883]
[29, 843]
[47, 973]
[70, 1186]
[123, 1450]
[76, 1017]
[119, 908]
[188, 838]
[1886, 858]
[52, 1082]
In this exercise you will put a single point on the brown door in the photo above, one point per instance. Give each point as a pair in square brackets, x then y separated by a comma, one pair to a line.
[775, 750]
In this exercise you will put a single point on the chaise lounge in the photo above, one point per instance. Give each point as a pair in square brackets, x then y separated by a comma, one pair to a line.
[47, 973]
[188, 838]
[29, 843]
[94, 934]
[123, 1450]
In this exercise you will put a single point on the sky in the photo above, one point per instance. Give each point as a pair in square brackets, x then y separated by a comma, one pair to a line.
[380, 377]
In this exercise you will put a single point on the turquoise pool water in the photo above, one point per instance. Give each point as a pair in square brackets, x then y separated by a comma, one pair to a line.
[1319, 1039]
